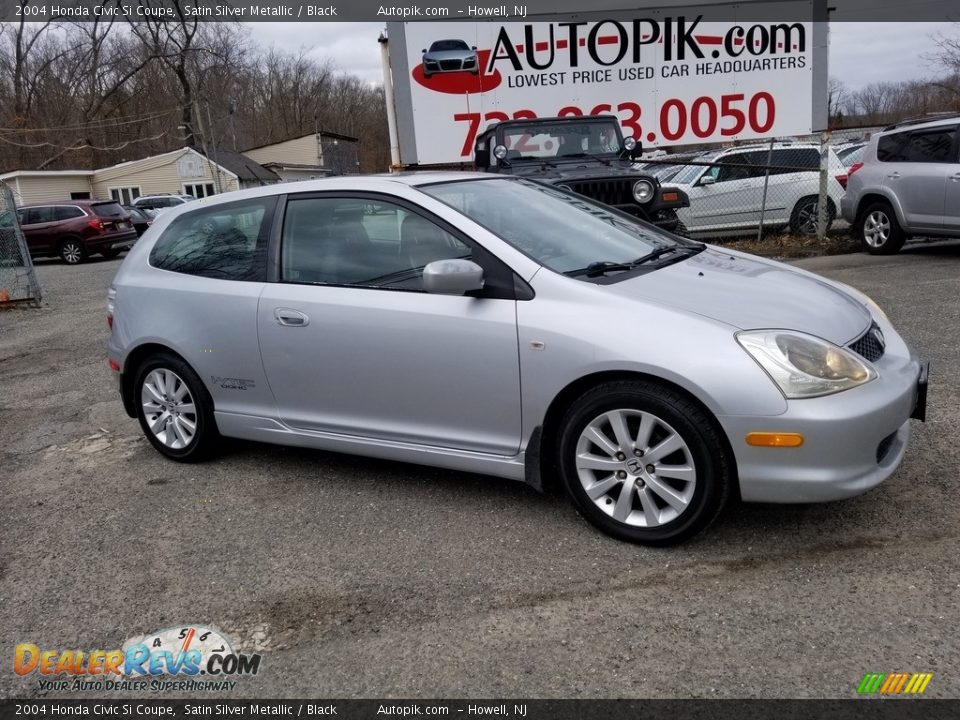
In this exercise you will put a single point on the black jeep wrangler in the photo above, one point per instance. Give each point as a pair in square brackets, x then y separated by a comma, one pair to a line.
[588, 155]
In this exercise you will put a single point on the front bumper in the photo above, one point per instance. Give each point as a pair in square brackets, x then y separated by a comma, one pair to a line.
[853, 440]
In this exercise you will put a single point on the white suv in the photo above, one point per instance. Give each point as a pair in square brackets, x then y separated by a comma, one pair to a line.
[161, 201]
[727, 190]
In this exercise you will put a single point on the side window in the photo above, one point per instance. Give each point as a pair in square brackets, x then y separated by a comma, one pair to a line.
[931, 146]
[353, 241]
[67, 212]
[787, 161]
[890, 147]
[38, 215]
[735, 167]
[228, 242]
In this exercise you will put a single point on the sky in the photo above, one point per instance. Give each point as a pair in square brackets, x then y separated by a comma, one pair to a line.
[860, 53]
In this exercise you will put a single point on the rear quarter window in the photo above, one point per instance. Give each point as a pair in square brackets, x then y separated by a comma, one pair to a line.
[227, 242]
[67, 212]
[108, 210]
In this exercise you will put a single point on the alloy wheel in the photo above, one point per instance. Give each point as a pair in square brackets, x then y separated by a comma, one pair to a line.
[169, 408]
[876, 229]
[808, 218]
[72, 252]
[636, 468]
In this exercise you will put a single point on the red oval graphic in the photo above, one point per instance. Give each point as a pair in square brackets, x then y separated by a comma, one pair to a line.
[460, 82]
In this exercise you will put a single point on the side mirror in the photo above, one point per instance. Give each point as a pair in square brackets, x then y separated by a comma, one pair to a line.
[452, 277]
[473, 47]
[707, 180]
[424, 51]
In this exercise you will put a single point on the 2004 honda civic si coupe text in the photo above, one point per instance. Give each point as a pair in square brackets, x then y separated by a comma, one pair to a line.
[500, 326]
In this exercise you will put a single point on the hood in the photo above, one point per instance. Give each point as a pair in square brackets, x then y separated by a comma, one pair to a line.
[750, 293]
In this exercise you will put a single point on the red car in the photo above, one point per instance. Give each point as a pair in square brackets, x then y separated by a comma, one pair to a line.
[75, 229]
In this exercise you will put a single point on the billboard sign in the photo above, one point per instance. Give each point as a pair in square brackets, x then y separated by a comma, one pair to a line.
[670, 81]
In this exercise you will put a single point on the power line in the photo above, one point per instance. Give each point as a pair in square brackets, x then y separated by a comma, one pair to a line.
[82, 146]
[103, 124]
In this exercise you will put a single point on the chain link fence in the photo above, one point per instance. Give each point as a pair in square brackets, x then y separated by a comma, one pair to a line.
[18, 281]
[766, 188]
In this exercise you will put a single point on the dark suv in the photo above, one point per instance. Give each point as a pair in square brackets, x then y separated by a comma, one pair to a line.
[74, 229]
[588, 155]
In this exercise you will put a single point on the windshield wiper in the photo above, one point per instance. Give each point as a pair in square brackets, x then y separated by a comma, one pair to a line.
[596, 269]
[660, 252]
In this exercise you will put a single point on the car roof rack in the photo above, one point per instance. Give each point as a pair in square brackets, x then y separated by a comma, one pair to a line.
[920, 119]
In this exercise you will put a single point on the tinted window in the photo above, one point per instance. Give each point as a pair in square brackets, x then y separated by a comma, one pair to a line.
[228, 242]
[791, 160]
[67, 212]
[932, 145]
[345, 241]
[108, 210]
[39, 215]
[738, 166]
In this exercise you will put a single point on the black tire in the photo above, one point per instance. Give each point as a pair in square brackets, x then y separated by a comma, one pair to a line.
[681, 229]
[206, 438]
[806, 210]
[72, 251]
[870, 234]
[700, 433]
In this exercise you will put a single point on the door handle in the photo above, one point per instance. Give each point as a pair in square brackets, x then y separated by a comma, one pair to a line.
[955, 178]
[894, 176]
[291, 318]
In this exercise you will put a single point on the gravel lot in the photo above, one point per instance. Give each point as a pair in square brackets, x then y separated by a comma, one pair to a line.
[368, 578]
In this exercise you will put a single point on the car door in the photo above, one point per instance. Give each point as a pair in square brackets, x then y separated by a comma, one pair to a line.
[734, 197]
[352, 344]
[918, 164]
[39, 227]
[951, 205]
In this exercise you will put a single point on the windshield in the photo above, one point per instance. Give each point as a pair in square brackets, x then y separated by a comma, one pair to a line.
[691, 172]
[561, 230]
[442, 45]
[536, 140]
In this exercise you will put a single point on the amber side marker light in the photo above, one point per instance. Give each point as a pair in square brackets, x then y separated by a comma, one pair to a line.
[778, 440]
[671, 196]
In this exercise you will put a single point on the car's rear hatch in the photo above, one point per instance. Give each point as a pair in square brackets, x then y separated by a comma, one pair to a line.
[113, 218]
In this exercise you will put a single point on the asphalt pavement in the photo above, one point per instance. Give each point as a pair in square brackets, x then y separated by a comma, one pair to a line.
[362, 578]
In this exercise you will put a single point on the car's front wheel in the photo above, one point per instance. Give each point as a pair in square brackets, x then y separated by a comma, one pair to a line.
[175, 410]
[643, 463]
[879, 231]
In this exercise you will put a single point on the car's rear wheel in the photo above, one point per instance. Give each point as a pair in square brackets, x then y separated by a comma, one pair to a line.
[805, 218]
[175, 410]
[643, 463]
[72, 251]
[879, 231]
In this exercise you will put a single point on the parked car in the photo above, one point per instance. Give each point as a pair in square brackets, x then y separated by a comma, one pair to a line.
[727, 191]
[446, 56]
[851, 153]
[162, 200]
[908, 183]
[588, 155]
[142, 218]
[498, 325]
[75, 229]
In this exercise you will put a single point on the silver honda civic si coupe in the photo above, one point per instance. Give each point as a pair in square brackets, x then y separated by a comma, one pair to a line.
[500, 326]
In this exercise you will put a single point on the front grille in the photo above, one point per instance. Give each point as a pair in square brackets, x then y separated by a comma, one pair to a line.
[450, 65]
[884, 447]
[614, 191]
[871, 344]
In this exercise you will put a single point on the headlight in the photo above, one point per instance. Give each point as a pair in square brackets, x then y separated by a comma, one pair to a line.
[642, 191]
[805, 366]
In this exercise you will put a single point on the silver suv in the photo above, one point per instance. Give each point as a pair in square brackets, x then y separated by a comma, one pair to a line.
[908, 183]
[498, 325]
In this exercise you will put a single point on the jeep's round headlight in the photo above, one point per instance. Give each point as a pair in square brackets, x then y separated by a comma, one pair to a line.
[805, 366]
[500, 152]
[629, 143]
[642, 191]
